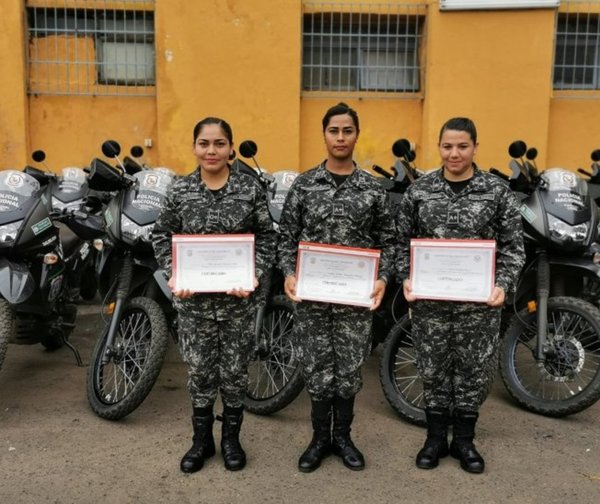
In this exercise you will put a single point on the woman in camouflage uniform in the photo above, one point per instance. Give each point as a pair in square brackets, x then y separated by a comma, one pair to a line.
[215, 338]
[457, 342]
[335, 203]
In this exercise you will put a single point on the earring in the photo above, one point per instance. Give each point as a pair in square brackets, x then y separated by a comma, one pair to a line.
[232, 155]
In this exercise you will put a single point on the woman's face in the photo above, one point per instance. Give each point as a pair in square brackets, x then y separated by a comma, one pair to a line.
[457, 151]
[340, 137]
[212, 148]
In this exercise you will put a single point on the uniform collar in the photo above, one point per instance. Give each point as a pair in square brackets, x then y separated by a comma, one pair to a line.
[478, 182]
[355, 178]
[231, 186]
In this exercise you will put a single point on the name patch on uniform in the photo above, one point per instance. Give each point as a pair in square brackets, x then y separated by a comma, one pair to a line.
[244, 197]
[338, 209]
[481, 197]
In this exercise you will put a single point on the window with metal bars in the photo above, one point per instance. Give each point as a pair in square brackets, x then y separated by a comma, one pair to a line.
[577, 51]
[92, 51]
[375, 50]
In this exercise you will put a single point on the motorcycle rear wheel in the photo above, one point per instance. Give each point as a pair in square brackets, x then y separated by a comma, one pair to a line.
[275, 378]
[7, 324]
[568, 381]
[398, 374]
[117, 388]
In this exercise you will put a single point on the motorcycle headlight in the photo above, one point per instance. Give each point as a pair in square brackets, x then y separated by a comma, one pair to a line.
[8, 232]
[134, 231]
[563, 231]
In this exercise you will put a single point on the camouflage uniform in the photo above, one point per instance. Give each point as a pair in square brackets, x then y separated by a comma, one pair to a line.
[334, 340]
[215, 330]
[457, 342]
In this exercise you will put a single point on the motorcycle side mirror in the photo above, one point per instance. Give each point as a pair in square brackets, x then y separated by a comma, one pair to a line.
[103, 177]
[401, 148]
[517, 149]
[595, 164]
[111, 148]
[38, 156]
[136, 151]
[248, 148]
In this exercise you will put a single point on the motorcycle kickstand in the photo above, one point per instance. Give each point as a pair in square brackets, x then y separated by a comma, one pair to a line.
[67, 343]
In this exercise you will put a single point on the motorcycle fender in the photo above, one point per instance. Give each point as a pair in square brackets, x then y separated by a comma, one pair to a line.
[577, 263]
[161, 280]
[16, 281]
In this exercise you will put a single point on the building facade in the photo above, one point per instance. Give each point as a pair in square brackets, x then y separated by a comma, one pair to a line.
[76, 72]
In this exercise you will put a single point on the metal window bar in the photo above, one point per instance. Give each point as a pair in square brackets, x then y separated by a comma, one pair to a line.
[91, 47]
[361, 48]
[577, 48]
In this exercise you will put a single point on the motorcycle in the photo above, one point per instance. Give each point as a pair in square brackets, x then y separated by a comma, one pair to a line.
[274, 373]
[550, 349]
[128, 356]
[35, 305]
[69, 192]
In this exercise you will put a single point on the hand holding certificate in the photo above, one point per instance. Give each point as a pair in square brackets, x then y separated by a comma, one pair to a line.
[213, 263]
[336, 274]
[453, 270]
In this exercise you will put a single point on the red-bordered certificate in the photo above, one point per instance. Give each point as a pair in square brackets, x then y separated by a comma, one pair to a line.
[336, 274]
[453, 270]
[213, 263]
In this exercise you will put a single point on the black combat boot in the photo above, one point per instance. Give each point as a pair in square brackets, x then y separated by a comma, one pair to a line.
[231, 449]
[341, 444]
[320, 445]
[462, 447]
[436, 444]
[204, 444]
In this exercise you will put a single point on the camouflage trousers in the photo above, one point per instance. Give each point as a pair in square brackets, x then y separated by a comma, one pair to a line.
[333, 341]
[457, 352]
[217, 354]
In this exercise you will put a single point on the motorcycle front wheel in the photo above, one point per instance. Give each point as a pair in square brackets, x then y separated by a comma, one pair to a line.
[398, 373]
[117, 387]
[7, 320]
[567, 379]
[274, 372]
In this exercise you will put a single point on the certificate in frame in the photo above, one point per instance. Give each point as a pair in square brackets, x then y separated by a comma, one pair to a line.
[213, 263]
[336, 274]
[452, 270]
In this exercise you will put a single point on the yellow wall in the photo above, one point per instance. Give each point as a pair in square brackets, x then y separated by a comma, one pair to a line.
[241, 60]
[494, 67]
[234, 59]
[13, 100]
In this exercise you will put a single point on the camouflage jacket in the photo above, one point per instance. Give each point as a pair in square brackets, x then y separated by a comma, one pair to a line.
[239, 208]
[355, 214]
[486, 209]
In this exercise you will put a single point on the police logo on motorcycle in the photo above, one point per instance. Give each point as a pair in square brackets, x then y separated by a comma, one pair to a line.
[568, 179]
[15, 180]
[151, 180]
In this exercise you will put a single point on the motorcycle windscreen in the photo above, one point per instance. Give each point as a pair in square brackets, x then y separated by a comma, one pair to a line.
[16, 282]
[143, 204]
[283, 182]
[72, 187]
[16, 191]
[566, 196]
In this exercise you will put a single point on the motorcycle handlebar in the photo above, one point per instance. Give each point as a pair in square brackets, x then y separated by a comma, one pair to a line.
[382, 171]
